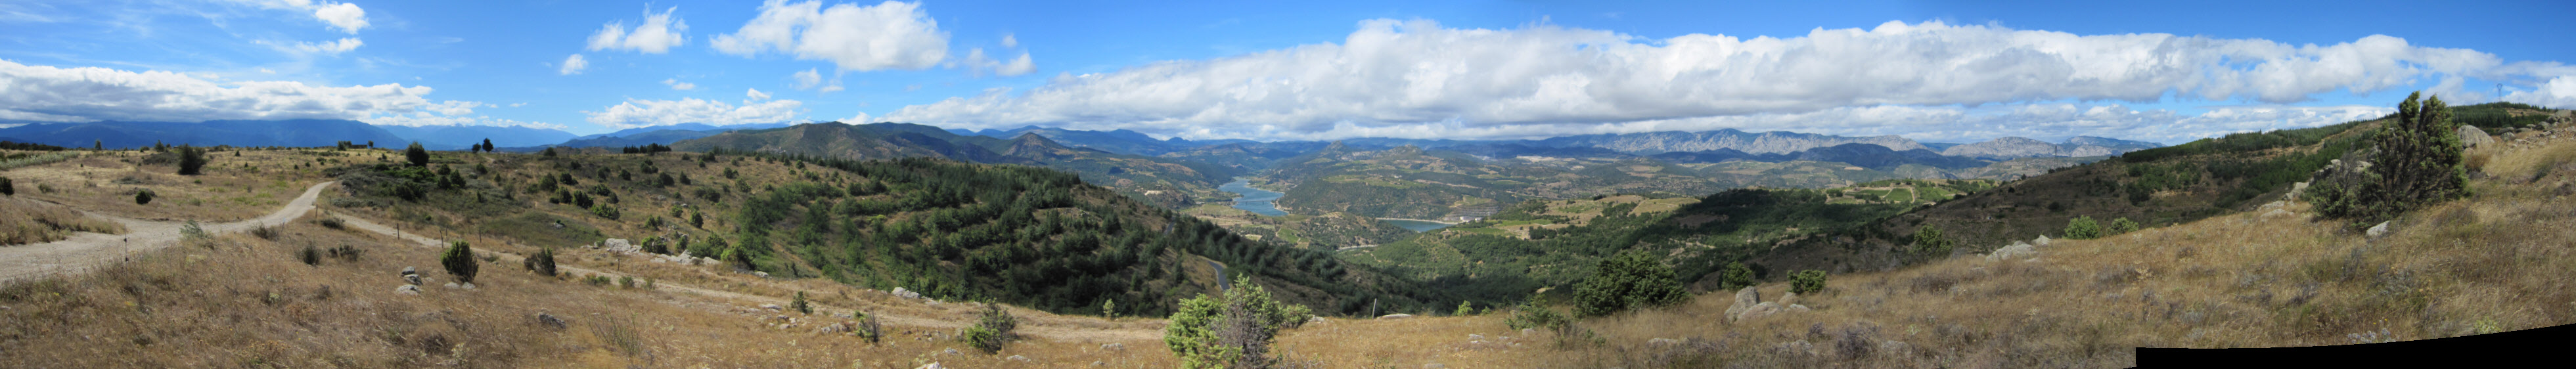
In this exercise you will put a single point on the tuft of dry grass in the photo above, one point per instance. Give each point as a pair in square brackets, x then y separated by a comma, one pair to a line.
[32, 222]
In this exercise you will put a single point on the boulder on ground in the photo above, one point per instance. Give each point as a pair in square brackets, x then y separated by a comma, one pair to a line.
[2041, 241]
[2472, 137]
[1395, 316]
[2017, 250]
[1744, 299]
[551, 321]
[1788, 298]
[1113, 347]
[407, 289]
[2378, 231]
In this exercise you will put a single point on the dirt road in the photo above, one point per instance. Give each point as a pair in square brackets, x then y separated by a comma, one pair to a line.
[84, 251]
[89, 250]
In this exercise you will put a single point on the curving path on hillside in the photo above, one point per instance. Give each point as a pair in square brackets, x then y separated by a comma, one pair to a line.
[85, 250]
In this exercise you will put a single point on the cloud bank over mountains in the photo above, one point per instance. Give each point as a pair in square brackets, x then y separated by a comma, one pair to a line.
[1418, 79]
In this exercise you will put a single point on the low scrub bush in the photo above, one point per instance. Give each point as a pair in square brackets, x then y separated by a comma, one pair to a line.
[310, 255]
[992, 328]
[542, 262]
[1630, 280]
[266, 233]
[1807, 281]
[1232, 332]
[143, 197]
[459, 260]
[1534, 314]
[332, 223]
[869, 328]
[2083, 228]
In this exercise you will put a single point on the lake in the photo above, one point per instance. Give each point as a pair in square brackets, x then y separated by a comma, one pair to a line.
[1415, 225]
[1253, 200]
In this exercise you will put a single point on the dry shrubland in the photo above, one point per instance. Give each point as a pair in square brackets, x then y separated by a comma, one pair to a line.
[32, 222]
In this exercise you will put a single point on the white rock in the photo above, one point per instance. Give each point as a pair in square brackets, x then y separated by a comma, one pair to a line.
[1113, 347]
[1663, 341]
[1744, 299]
[2017, 249]
[1395, 316]
[2471, 136]
[932, 365]
[1473, 336]
[467, 285]
[452, 285]
[407, 289]
[1017, 358]
[2378, 231]
[769, 306]
[2041, 241]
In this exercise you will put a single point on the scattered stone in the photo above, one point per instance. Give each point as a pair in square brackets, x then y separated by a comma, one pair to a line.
[2041, 241]
[1113, 347]
[1473, 336]
[2472, 137]
[1758, 311]
[408, 289]
[452, 285]
[1434, 366]
[2378, 231]
[2276, 213]
[1744, 299]
[410, 271]
[761, 274]
[619, 246]
[1017, 358]
[1799, 308]
[951, 351]
[1314, 319]
[934, 365]
[413, 279]
[550, 321]
[2017, 249]
[1663, 342]
[1395, 316]
[900, 292]
[770, 307]
[467, 285]
[1099, 363]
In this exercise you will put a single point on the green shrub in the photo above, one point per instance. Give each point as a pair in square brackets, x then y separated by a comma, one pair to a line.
[7, 187]
[626, 281]
[1736, 276]
[992, 328]
[542, 262]
[143, 197]
[1464, 309]
[799, 305]
[1534, 314]
[2083, 228]
[604, 211]
[1629, 280]
[2122, 226]
[2418, 162]
[459, 260]
[1807, 281]
[869, 328]
[1930, 242]
[310, 255]
[1233, 332]
[417, 156]
[192, 160]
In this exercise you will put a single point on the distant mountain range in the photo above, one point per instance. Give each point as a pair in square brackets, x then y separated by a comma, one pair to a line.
[1164, 181]
[115, 134]
[462, 137]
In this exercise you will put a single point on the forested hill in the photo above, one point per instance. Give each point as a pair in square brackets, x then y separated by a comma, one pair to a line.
[1022, 235]
[1171, 183]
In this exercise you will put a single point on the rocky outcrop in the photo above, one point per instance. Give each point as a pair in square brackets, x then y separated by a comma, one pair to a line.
[2016, 250]
[1747, 305]
[2471, 136]
[2018, 147]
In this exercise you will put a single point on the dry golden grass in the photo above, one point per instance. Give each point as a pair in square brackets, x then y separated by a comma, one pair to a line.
[245, 301]
[232, 188]
[33, 222]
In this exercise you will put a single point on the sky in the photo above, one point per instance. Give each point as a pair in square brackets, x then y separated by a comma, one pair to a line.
[1936, 71]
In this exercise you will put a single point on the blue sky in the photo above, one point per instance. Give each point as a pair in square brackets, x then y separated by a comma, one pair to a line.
[1944, 71]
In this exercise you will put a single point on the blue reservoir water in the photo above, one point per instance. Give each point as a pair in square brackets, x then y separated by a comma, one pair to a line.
[1415, 225]
[1253, 200]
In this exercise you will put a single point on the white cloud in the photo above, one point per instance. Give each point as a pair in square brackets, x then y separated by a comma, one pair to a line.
[641, 113]
[977, 63]
[573, 65]
[91, 93]
[323, 48]
[677, 85]
[756, 95]
[658, 34]
[889, 35]
[344, 16]
[1009, 40]
[861, 118]
[1393, 74]
[811, 78]
[2558, 92]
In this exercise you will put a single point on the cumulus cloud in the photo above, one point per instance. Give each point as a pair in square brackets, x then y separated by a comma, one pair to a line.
[978, 64]
[344, 16]
[889, 35]
[1397, 75]
[658, 34]
[677, 85]
[311, 48]
[755, 95]
[642, 113]
[811, 78]
[91, 93]
[1009, 40]
[573, 65]
[2558, 92]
